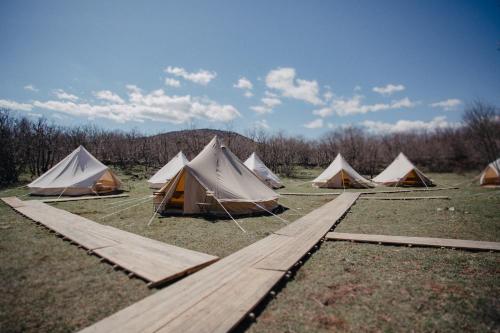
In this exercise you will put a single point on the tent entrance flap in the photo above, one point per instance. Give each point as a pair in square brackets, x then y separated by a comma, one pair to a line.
[412, 179]
[107, 183]
[176, 201]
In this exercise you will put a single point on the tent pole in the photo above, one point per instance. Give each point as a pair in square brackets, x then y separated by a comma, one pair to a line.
[239, 226]
[282, 219]
[342, 176]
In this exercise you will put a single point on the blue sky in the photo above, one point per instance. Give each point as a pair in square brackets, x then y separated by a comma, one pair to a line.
[305, 66]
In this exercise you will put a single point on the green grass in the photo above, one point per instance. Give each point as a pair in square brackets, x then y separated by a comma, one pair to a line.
[51, 286]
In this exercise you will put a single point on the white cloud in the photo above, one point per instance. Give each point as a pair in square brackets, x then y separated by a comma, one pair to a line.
[61, 94]
[260, 109]
[243, 83]
[12, 105]
[271, 101]
[246, 85]
[327, 96]
[34, 115]
[155, 105]
[172, 82]
[270, 94]
[109, 96]
[408, 125]
[354, 105]
[447, 105]
[389, 89]
[202, 77]
[357, 88]
[268, 104]
[262, 124]
[316, 123]
[30, 87]
[283, 80]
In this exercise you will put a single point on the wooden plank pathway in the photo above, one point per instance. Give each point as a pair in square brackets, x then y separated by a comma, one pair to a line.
[417, 241]
[153, 261]
[441, 197]
[92, 197]
[219, 296]
[406, 190]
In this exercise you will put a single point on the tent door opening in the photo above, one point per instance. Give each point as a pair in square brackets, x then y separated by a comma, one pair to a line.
[412, 179]
[177, 199]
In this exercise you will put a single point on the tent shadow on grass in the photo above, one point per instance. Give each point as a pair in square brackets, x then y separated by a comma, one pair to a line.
[213, 218]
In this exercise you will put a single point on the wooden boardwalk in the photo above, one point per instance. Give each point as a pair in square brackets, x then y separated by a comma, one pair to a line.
[92, 197]
[153, 261]
[405, 190]
[439, 197]
[219, 296]
[417, 241]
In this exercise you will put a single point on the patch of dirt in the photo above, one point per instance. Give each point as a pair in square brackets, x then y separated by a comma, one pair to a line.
[343, 293]
[330, 321]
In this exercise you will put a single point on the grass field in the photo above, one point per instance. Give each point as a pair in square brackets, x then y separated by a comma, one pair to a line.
[51, 286]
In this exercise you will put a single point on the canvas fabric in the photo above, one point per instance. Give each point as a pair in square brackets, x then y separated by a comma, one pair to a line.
[213, 178]
[168, 171]
[78, 173]
[399, 171]
[258, 167]
[340, 174]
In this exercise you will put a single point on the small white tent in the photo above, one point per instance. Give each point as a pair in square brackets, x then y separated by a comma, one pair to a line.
[491, 175]
[168, 171]
[402, 172]
[215, 181]
[340, 174]
[258, 167]
[78, 173]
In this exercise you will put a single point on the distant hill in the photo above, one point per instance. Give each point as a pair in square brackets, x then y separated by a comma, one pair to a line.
[191, 142]
[204, 133]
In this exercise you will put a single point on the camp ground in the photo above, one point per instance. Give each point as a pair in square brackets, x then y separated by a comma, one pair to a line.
[216, 239]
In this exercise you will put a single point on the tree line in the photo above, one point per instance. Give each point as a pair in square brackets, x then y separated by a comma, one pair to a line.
[33, 146]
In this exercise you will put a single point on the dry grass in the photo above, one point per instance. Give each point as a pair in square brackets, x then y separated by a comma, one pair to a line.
[51, 286]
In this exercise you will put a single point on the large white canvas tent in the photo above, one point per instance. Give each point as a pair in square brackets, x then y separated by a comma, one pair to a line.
[258, 167]
[491, 175]
[340, 174]
[77, 174]
[169, 170]
[217, 182]
[402, 172]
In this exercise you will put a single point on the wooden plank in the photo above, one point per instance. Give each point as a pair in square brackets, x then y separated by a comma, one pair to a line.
[406, 190]
[418, 241]
[311, 194]
[218, 297]
[430, 189]
[149, 259]
[441, 197]
[14, 202]
[92, 197]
